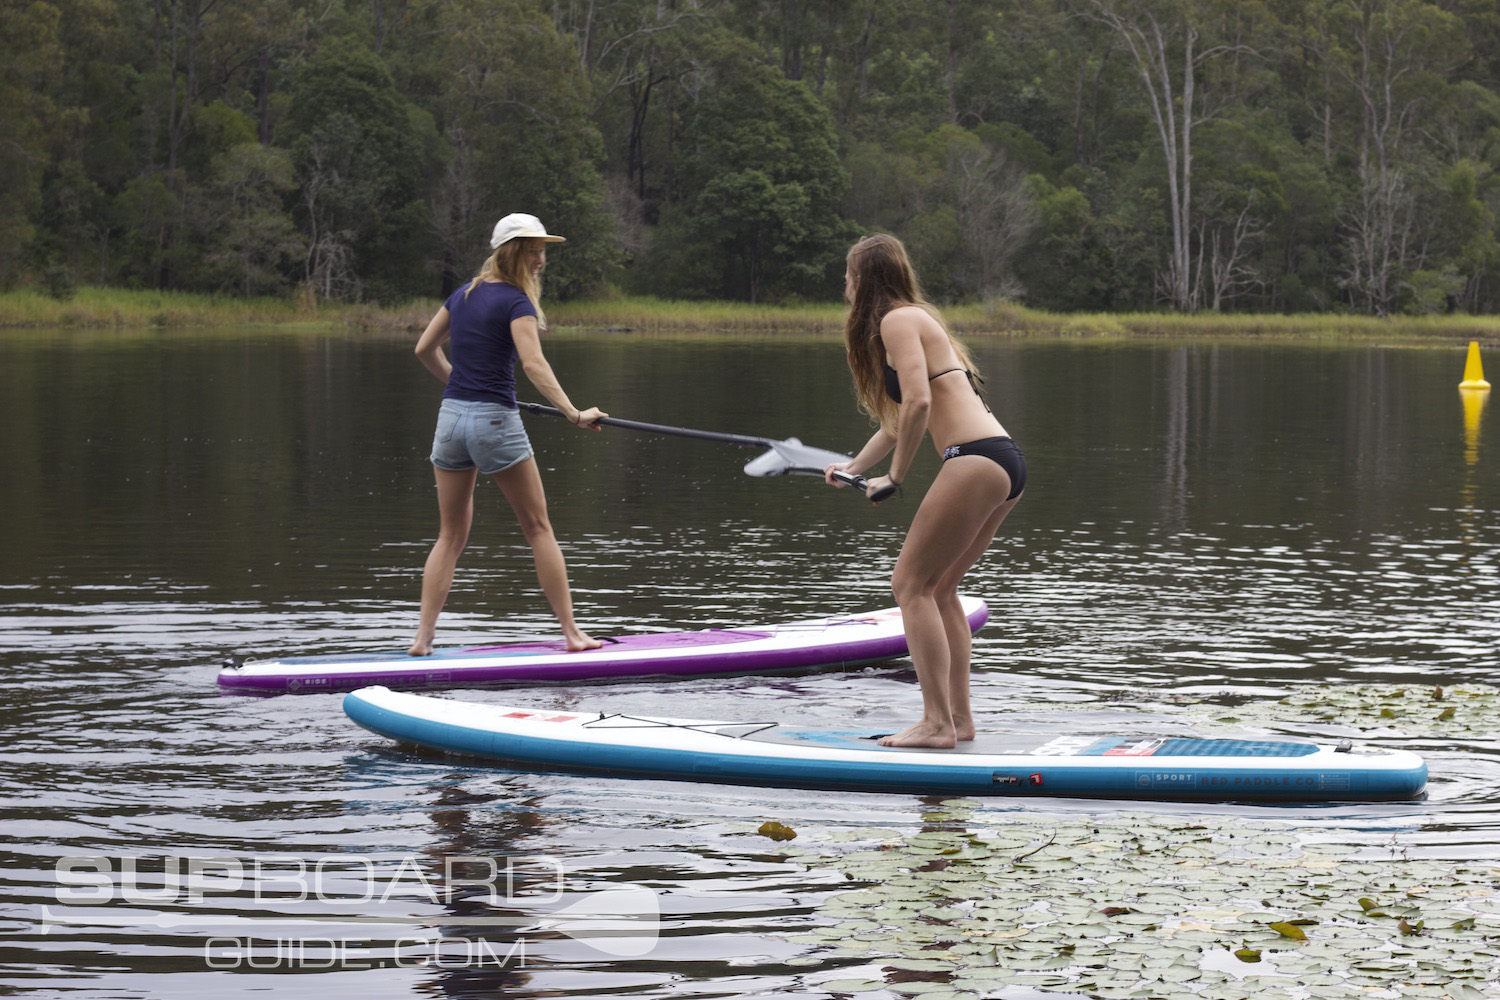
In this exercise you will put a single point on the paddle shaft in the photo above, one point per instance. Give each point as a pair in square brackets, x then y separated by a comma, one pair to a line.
[636, 425]
[745, 440]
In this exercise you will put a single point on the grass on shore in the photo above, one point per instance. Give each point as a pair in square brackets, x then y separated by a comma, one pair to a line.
[114, 307]
[96, 308]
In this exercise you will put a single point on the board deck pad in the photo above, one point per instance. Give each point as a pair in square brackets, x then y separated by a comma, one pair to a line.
[1125, 765]
[845, 640]
[1074, 746]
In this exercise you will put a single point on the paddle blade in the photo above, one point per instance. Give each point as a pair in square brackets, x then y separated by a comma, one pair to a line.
[792, 457]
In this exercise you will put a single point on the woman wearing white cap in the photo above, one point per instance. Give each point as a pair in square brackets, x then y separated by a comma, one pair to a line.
[488, 324]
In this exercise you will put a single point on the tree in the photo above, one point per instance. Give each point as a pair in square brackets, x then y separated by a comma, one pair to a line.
[631, 52]
[30, 54]
[1205, 154]
[995, 214]
[514, 113]
[251, 245]
[1171, 42]
[955, 197]
[1463, 251]
[1062, 267]
[764, 181]
[1242, 195]
[362, 154]
[1385, 63]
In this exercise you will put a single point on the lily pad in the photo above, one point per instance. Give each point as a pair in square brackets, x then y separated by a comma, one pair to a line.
[1111, 905]
[851, 986]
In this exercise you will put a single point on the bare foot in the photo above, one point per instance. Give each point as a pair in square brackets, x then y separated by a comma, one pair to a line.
[420, 647]
[923, 734]
[579, 641]
[964, 728]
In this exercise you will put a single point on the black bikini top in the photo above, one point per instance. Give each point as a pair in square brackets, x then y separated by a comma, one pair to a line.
[893, 381]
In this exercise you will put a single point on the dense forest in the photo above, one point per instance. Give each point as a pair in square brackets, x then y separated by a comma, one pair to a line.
[1193, 155]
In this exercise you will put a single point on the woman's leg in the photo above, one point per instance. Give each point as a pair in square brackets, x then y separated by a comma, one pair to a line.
[522, 486]
[956, 623]
[455, 492]
[949, 533]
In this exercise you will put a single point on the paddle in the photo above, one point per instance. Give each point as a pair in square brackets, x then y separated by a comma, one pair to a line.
[789, 457]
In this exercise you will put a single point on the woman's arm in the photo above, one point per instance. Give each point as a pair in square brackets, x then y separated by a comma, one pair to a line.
[879, 445]
[875, 449]
[430, 346]
[523, 330]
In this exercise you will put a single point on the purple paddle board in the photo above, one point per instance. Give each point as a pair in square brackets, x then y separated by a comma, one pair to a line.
[835, 641]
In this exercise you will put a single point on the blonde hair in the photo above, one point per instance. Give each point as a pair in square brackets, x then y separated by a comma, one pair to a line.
[509, 263]
[884, 279]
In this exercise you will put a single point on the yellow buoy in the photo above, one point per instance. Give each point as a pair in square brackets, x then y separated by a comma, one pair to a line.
[1473, 370]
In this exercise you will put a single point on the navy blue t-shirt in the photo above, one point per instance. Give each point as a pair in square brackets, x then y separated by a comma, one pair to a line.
[479, 342]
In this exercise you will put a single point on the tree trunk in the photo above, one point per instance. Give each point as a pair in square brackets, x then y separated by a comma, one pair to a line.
[950, 73]
[1150, 42]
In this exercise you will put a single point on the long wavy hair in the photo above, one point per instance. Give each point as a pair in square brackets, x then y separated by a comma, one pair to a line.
[510, 263]
[883, 280]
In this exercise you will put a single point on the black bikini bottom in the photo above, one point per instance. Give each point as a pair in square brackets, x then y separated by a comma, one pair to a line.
[1000, 450]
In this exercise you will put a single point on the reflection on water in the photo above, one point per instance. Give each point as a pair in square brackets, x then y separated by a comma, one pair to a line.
[1204, 524]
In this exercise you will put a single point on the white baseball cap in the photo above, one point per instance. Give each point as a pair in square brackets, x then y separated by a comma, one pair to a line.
[520, 224]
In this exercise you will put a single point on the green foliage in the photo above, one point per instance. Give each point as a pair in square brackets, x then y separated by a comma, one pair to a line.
[518, 136]
[362, 154]
[766, 181]
[1064, 263]
[58, 282]
[250, 245]
[958, 198]
[30, 49]
[979, 902]
[1344, 157]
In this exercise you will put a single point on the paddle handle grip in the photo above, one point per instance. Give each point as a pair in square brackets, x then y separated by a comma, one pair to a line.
[862, 484]
[858, 482]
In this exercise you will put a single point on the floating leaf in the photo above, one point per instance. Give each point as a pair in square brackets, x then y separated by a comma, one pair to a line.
[919, 965]
[1463, 991]
[776, 831]
[1447, 714]
[1181, 973]
[851, 986]
[912, 989]
[1247, 955]
[1367, 904]
[1288, 930]
[1409, 929]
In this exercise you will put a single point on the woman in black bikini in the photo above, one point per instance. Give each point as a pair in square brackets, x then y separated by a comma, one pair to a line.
[913, 378]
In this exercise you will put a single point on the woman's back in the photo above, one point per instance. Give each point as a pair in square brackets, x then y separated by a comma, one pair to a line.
[957, 412]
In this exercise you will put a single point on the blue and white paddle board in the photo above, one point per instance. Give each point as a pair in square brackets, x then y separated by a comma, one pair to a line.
[846, 640]
[1124, 766]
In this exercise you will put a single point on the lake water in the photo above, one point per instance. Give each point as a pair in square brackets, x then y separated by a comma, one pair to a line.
[1213, 533]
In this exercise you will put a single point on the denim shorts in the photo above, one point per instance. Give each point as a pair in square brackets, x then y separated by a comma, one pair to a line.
[486, 435]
